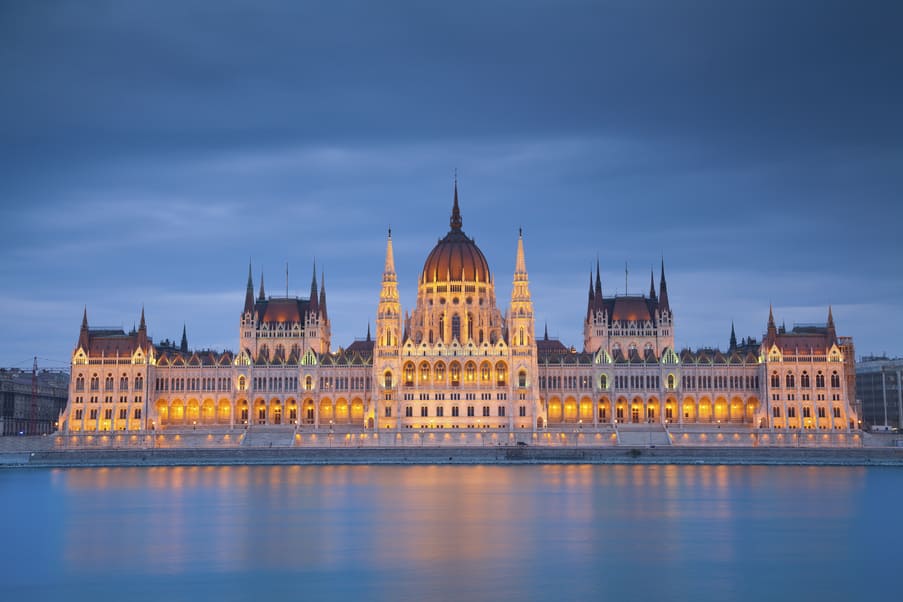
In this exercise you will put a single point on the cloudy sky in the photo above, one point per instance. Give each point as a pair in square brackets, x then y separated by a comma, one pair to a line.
[149, 150]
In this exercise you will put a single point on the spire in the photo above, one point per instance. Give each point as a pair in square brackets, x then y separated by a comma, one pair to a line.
[183, 346]
[652, 284]
[455, 221]
[85, 319]
[590, 302]
[142, 331]
[142, 325]
[772, 330]
[262, 296]
[323, 295]
[390, 257]
[598, 282]
[83, 336]
[663, 291]
[733, 342]
[368, 331]
[249, 292]
[545, 334]
[520, 264]
[832, 332]
[313, 306]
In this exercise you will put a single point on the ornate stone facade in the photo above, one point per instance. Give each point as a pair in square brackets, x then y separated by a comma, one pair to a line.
[456, 362]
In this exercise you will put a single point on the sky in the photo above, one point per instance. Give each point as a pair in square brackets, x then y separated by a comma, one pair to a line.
[150, 150]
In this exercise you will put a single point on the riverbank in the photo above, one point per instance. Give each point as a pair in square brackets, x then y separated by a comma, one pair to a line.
[453, 455]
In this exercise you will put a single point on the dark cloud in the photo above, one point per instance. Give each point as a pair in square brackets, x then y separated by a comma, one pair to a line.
[172, 140]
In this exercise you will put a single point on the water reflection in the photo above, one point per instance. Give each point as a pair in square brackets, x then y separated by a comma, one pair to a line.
[397, 532]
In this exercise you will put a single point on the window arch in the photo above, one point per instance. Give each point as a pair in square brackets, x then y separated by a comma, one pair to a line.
[439, 372]
[456, 327]
[242, 383]
[308, 382]
[139, 382]
[387, 379]
[424, 371]
[820, 380]
[454, 373]
[603, 381]
[804, 380]
[485, 372]
[501, 374]
[776, 380]
[409, 373]
[522, 376]
[835, 379]
[108, 382]
[80, 382]
[670, 381]
[470, 372]
[791, 380]
[124, 382]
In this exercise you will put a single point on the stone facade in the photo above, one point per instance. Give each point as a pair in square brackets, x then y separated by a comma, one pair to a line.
[457, 363]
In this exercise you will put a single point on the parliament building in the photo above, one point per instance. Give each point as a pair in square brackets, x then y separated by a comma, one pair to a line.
[458, 363]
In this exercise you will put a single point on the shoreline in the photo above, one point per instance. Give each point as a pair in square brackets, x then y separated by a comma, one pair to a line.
[453, 456]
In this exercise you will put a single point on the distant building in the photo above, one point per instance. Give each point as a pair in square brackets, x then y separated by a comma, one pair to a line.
[879, 385]
[456, 360]
[22, 413]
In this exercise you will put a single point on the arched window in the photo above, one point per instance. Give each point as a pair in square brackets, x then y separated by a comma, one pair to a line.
[424, 371]
[242, 383]
[804, 380]
[603, 381]
[456, 327]
[80, 383]
[501, 374]
[409, 374]
[139, 382]
[441, 328]
[776, 381]
[454, 373]
[387, 378]
[670, 381]
[308, 383]
[108, 383]
[124, 382]
[439, 371]
[791, 381]
[820, 380]
[835, 379]
[469, 327]
[485, 372]
[470, 372]
[522, 376]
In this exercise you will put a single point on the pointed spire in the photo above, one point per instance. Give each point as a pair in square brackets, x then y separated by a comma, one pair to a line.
[832, 332]
[249, 292]
[663, 291]
[313, 305]
[262, 296]
[368, 331]
[390, 257]
[733, 341]
[85, 319]
[142, 325]
[455, 221]
[323, 295]
[84, 336]
[598, 282]
[520, 264]
[590, 301]
[183, 346]
[652, 284]
[545, 334]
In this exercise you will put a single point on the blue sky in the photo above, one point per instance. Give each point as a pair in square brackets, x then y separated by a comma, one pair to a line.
[148, 150]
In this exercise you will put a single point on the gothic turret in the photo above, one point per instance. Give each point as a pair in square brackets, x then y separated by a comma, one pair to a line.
[183, 346]
[652, 296]
[663, 292]
[262, 296]
[249, 293]
[322, 302]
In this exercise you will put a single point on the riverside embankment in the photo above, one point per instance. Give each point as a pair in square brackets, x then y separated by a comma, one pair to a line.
[454, 455]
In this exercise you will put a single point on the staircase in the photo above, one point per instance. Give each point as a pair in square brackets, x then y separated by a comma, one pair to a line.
[643, 435]
[269, 436]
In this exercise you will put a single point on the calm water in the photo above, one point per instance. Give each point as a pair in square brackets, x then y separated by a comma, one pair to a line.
[452, 532]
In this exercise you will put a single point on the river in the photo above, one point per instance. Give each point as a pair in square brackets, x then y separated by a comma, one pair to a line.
[554, 532]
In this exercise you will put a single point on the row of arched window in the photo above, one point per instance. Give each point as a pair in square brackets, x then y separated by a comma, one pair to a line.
[425, 373]
[805, 380]
[108, 382]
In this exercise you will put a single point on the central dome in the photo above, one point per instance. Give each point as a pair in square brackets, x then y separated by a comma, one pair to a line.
[456, 258]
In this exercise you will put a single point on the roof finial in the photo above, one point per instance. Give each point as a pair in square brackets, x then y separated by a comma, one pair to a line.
[455, 221]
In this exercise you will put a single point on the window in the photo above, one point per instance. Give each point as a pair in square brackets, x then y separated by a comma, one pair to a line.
[124, 383]
[804, 380]
[108, 383]
[440, 411]
[522, 411]
[95, 383]
[501, 410]
[776, 412]
[93, 414]
[123, 413]
[137, 414]
[791, 412]
[522, 379]
[108, 414]
[603, 381]
[807, 412]
[388, 411]
[455, 411]
[486, 411]
[78, 414]
[776, 381]
[837, 412]
[388, 380]
[409, 374]
[80, 383]
[456, 327]
[835, 379]
[470, 411]
[791, 381]
[821, 412]
[424, 411]
[408, 411]
[820, 380]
